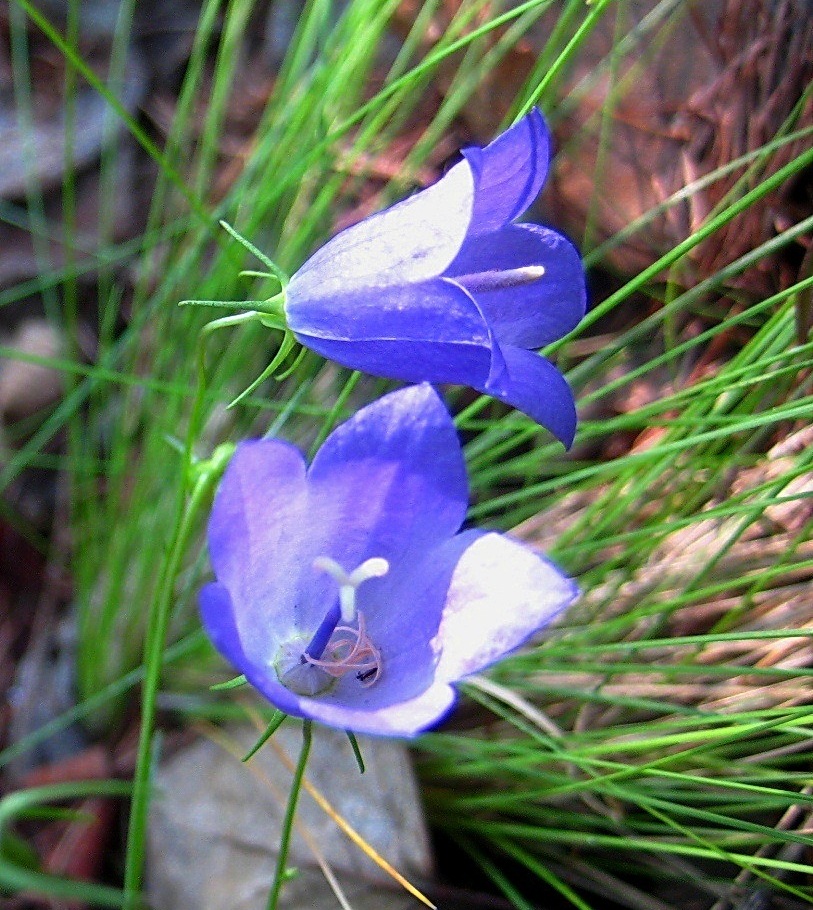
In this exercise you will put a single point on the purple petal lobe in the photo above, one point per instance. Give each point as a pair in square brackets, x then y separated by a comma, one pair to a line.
[217, 613]
[431, 331]
[390, 482]
[410, 361]
[402, 617]
[412, 241]
[371, 531]
[259, 519]
[266, 682]
[429, 310]
[533, 314]
[501, 592]
[534, 386]
[511, 172]
[408, 718]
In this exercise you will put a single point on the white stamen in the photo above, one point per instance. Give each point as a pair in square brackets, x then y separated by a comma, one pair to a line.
[353, 650]
[375, 567]
[497, 280]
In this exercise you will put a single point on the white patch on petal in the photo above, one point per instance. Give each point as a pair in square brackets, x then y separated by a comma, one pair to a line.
[501, 592]
[412, 241]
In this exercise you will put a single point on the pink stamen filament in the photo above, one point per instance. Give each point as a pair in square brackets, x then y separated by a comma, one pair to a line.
[352, 651]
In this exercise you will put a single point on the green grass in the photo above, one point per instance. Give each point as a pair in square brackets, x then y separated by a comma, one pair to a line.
[659, 734]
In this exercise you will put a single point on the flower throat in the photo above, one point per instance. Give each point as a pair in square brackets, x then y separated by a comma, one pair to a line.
[337, 648]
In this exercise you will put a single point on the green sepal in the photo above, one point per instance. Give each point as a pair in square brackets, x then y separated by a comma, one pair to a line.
[354, 743]
[297, 360]
[272, 321]
[229, 684]
[255, 273]
[224, 304]
[288, 342]
[271, 729]
[273, 268]
[208, 470]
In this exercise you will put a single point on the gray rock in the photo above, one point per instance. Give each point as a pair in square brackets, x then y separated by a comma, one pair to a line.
[215, 824]
[27, 386]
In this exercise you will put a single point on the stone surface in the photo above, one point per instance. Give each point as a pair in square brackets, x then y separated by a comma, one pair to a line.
[27, 386]
[215, 825]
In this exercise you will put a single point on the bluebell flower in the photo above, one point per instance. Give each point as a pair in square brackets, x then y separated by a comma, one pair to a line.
[444, 287]
[346, 592]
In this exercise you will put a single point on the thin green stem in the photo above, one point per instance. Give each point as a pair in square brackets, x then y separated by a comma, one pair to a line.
[288, 821]
[194, 491]
[330, 421]
[575, 42]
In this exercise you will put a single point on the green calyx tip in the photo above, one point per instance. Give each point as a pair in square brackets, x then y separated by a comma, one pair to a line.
[229, 684]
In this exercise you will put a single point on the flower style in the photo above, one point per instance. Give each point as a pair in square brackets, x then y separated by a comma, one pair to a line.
[346, 592]
[444, 287]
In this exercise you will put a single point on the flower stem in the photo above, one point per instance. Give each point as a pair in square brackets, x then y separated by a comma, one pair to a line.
[194, 492]
[186, 521]
[288, 821]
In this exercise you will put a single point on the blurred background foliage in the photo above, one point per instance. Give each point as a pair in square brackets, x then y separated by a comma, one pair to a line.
[652, 751]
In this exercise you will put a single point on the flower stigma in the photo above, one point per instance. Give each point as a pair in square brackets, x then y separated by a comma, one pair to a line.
[335, 650]
[376, 567]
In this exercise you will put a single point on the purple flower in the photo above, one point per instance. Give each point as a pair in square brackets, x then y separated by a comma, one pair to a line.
[346, 592]
[444, 287]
